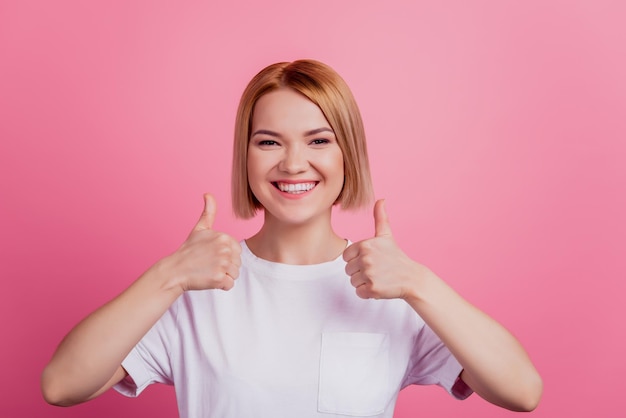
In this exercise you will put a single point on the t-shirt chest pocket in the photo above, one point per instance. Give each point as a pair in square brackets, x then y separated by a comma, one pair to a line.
[354, 374]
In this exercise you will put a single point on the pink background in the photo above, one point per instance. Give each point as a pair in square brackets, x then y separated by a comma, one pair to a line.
[497, 133]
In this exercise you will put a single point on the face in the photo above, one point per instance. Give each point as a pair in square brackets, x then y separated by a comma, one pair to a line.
[295, 165]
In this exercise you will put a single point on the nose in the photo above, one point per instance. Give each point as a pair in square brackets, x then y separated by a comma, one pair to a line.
[294, 161]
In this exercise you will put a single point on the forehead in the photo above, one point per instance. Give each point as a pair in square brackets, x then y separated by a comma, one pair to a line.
[286, 109]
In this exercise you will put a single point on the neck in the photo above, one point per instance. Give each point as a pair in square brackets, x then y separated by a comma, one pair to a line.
[309, 243]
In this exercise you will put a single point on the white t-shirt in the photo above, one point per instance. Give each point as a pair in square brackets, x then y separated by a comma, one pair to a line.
[288, 341]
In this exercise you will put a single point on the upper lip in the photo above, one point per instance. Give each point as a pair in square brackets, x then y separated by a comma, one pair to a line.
[295, 181]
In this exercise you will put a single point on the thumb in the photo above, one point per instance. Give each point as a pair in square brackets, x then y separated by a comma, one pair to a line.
[208, 214]
[381, 220]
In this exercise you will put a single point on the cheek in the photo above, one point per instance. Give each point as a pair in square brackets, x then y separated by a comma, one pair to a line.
[334, 171]
[253, 173]
[258, 166]
[338, 165]
[254, 165]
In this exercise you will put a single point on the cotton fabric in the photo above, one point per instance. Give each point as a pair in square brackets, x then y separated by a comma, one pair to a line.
[289, 341]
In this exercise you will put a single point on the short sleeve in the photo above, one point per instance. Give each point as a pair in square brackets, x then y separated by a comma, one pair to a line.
[149, 361]
[432, 363]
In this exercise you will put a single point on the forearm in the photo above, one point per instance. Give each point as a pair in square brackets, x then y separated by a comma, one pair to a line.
[89, 356]
[495, 364]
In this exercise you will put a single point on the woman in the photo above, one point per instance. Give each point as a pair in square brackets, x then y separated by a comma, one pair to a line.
[303, 329]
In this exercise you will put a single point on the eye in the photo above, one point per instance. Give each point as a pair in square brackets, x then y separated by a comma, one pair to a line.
[267, 142]
[320, 141]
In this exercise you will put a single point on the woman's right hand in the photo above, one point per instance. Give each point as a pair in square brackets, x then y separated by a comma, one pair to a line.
[88, 360]
[208, 259]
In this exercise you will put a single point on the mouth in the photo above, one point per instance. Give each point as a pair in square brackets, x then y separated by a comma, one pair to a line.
[295, 188]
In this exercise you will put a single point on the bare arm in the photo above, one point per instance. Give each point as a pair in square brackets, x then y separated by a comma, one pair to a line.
[495, 364]
[88, 360]
[91, 354]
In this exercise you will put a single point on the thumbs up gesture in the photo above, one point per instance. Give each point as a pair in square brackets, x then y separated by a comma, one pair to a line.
[208, 259]
[377, 267]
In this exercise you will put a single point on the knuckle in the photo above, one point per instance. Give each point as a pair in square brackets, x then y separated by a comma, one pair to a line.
[235, 273]
[223, 239]
[367, 245]
[367, 261]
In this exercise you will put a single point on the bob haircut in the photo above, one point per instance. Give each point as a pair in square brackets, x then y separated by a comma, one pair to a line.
[324, 87]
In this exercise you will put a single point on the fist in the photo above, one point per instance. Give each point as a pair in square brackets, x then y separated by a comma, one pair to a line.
[208, 259]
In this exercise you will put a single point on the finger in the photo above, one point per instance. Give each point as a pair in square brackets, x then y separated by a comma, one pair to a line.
[233, 271]
[364, 292]
[237, 250]
[352, 267]
[381, 220]
[228, 282]
[351, 252]
[208, 214]
[236, 260]
[358, 280]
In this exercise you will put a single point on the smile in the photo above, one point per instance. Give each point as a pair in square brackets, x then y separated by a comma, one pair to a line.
[295, 188]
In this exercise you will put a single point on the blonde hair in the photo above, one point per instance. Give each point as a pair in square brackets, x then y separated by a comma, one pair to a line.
[324, 87]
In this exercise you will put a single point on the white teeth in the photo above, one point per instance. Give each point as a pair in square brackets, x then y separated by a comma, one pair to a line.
[295, 188]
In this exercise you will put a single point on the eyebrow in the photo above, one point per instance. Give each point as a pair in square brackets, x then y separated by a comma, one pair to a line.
[307, 133]
[318, 130]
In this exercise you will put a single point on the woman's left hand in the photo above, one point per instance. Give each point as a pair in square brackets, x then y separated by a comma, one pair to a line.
[495, 365]
[377, 267]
